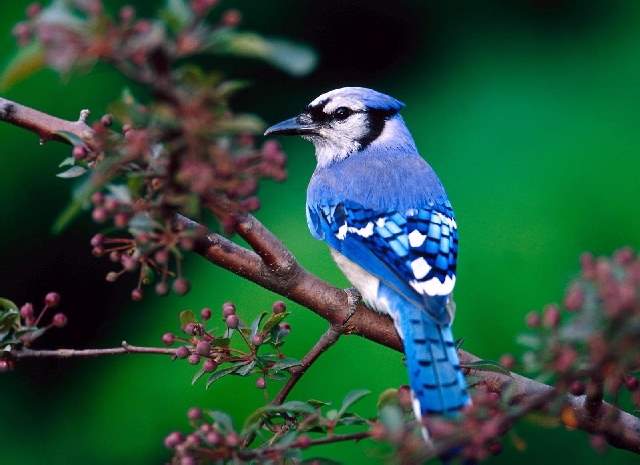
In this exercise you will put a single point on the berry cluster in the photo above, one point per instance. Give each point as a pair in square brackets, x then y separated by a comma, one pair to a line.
[21, 327]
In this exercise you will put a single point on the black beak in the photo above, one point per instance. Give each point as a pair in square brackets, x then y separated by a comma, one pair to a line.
[291, 127]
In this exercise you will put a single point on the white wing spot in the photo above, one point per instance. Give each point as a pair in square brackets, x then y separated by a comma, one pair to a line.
[342, 232]
[416, 238]
[381, 221]
[364, 232]
[448, 221]
[420, 267]
[434, 286]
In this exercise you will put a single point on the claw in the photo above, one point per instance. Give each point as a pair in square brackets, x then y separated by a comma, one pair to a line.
[354, 298]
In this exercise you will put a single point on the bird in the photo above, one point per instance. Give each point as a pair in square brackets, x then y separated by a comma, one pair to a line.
[390, 228]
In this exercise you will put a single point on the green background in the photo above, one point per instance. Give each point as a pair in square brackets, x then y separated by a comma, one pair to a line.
[528, 110]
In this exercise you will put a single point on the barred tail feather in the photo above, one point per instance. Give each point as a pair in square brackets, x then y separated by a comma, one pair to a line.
[435, 376]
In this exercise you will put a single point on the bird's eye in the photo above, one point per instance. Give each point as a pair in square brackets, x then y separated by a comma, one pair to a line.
[342, 113]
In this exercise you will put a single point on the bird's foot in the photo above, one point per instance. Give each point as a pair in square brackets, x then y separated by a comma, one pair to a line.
[354, 298]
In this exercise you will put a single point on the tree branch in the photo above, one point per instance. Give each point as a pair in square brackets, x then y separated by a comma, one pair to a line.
[125, 348]
[273, 267]
[329, 338]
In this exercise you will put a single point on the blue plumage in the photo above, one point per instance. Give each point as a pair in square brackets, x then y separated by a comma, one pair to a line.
[389, 224]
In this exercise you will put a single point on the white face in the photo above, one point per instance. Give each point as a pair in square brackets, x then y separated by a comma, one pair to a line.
[344, 125]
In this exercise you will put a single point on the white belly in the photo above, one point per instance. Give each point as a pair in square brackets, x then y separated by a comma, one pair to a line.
[366, 283]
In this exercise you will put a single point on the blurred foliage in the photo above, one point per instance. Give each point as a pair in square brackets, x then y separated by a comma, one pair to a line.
[527, 110]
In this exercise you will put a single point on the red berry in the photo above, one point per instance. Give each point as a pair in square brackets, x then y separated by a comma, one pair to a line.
[232, 321]
[205, 313]
[99, 215]
[181, 286]
[533, 319]
[256, 339]
[551, 316]
[194, 359]
[303, 441]
[59, 320]
[203, 348]
[121, 220]
[182, 352]
[190, 328]
[194, 413]
[97, 240]
[210, 365]
[228, 309]
[5, 365]
[261, 383]
[173, 439]
[632, 383]
[137, 295]
[34, 10]
[507, 361]
[107, 120]
[168, 338]
[214, 438]
[279, 307]
[111, 204]
[79, 152]
[26, 311]
[97, 198]
[162, 288]
[112, 276]
[232, 440]
[161, 256]
[52, 299]
[577, 388]
[231, 18]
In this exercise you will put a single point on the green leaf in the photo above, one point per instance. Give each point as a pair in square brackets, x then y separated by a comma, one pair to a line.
[222, 419]
[295, 59]
[9, 315]
[245, 369]
[391, 418]
[186, 316]
[197, 376]
[284, 364]
[70, 137]
[351, 398]
[255, 324]
[351, 419]
[387, 397]
[273, 321]
[318, 403]
[177, 15]
[73, 172]
[294, 406]
[240, 124]
[216, 375]
[26, 62]
[486, 365]
[80, 196]
[228, 88]
[69, 161]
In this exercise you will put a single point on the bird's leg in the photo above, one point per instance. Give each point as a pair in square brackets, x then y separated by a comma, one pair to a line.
[353, 297]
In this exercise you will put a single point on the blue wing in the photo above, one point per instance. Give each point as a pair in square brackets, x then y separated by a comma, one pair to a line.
[414, 252]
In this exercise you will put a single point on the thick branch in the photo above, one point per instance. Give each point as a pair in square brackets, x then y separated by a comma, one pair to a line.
[274, 268]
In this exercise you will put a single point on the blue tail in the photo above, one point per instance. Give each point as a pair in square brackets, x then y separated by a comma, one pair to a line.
[434, 369]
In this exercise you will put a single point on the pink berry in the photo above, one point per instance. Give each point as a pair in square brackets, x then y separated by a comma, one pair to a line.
[228, 309]
[210, 365]
[181, 286]
[168, 338]
[232, 321]
[173, 439]
[205, 313]
[52, 299]
[203, 348]
[194, 413]
[162, 288]
[26, 311]
[99, 215]
[279, 307]
[59, 320]
[194, 359]
[261, 383]
[97, 240]
[137, 295]
[256, 339]
[182, 352]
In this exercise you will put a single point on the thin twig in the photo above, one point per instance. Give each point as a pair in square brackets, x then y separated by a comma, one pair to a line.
[329, 338]
[125, 348]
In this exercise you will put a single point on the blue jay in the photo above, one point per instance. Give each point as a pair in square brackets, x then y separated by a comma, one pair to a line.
[390, 228]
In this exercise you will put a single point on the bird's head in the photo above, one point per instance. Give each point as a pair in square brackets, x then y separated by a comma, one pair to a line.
[348, 120]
